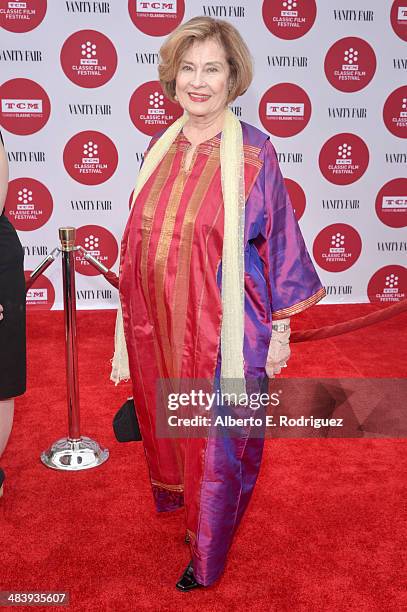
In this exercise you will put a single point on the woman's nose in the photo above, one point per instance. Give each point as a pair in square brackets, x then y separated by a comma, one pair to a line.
[197, 79]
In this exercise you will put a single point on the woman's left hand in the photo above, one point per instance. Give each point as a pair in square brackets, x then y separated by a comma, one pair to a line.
[279, 350]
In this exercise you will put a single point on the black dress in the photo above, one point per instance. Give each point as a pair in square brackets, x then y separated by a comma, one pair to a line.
[12, 298]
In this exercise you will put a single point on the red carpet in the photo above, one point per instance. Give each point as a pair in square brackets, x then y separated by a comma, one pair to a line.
[323, 531]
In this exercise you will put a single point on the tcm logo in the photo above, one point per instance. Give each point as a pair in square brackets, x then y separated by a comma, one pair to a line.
[337, 242]
[88, 52]
[344, 155]
[37, 295]
[25, 197]
[156, 102]
[284, 109]
[402, 13]
[394, 202]
[350, 58]
[90, 153]
[92, 245]
[287, 10]
[391, 284]
[17, 106]
[163, 8]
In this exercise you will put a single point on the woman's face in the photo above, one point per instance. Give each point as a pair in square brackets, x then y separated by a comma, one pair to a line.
[202, 82]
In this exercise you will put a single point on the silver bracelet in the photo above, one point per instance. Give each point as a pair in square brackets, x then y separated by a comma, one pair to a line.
[280, 327]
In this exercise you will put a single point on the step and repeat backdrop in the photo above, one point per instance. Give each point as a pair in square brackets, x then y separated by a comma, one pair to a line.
[80, 100]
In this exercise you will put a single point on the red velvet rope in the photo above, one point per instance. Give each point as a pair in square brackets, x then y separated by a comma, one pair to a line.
[28, 282]
[348, 326]
[112, 278]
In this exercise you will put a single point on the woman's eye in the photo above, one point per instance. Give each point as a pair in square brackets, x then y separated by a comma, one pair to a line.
[186, 68]
[212, 69]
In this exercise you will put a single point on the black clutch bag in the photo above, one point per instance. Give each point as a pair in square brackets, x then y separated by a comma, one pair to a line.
[125, 424]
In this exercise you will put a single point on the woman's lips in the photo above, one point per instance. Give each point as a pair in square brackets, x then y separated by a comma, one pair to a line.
[198, 97]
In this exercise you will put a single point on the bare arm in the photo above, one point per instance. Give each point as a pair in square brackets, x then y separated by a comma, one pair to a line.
[3, 176]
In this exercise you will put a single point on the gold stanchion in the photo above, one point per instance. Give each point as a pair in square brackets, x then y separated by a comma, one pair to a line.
[75, 452]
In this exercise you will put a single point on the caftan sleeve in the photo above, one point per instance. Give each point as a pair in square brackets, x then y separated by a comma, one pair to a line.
[292, 281]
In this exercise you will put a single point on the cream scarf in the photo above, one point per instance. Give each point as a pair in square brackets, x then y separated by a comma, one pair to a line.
[233, 190]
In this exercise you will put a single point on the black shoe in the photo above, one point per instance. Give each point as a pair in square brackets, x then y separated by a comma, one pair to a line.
[187, 581]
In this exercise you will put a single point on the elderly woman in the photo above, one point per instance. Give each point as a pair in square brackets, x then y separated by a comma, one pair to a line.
[211, 254]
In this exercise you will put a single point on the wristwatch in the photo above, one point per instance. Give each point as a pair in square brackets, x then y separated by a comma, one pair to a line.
[280, 327]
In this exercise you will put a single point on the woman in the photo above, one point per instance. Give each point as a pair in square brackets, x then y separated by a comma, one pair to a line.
[12, 316]
[211, 253]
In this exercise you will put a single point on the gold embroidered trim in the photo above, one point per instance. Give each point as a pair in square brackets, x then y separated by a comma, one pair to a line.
[169, 487]
[300, 306]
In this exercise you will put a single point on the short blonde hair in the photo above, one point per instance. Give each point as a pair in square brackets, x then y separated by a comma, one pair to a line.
[200, 29]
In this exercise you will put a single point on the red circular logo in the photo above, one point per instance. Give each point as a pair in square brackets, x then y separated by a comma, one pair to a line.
[289, 19]
[28, 204]
[350, 64]
[343, 159]
[41, 294]
[389, 284]
[156, 18]
[88, 58]
[150, 110]
[297, 197]
[90, 158]
[395, 112]
[337, 247]
[398, 18]
[22, 16]
[100, 243]
[25, 106]
[285, 110]
[391, 203]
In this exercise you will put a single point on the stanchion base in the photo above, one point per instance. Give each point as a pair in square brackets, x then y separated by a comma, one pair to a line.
[74, 455]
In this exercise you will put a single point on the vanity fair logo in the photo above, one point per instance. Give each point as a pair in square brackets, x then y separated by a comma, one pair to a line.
[395, 112]
[388, 284]
[353, 15]
[150, 110]
[350, 64]
[220, 11]
[289, 19]
[20, 55]
[100, 243]
[343, 159]
[90, 158]
[337, 247]
[30, 157]
[87, 7]
[88, 58]
[41, 295]
[285, 109]
[28, 204]
[347, 112]
[25, 106]
[22, 16]
[297, 197]
[156, 18]
[398, 18]
[391, 203]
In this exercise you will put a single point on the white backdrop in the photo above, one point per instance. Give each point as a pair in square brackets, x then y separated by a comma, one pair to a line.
[79, 101]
